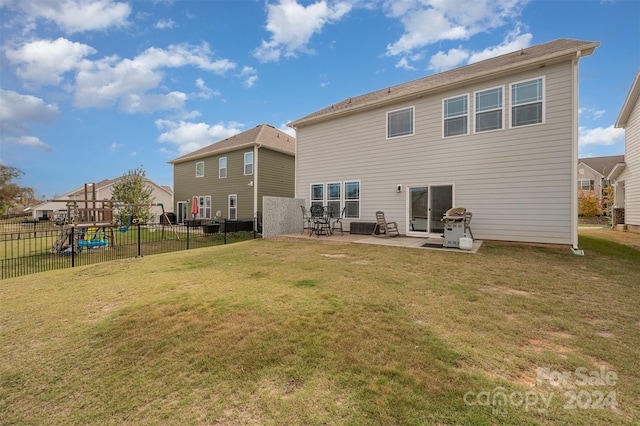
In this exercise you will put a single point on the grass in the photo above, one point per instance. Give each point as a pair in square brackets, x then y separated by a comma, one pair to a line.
[276, 332]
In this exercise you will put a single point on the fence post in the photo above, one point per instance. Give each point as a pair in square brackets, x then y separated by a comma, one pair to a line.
[72, 238]
[225, 231]
[139, 245]
[188, 233]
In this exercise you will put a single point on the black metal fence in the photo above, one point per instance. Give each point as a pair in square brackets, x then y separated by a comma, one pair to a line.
[30, 247]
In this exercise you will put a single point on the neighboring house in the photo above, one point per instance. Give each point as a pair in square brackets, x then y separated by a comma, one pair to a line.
[103, 190]
[593, 172]
[231, 176]
[498, 137]
[626, 176]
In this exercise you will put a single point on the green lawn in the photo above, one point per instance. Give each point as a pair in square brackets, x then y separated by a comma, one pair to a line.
[275, 332]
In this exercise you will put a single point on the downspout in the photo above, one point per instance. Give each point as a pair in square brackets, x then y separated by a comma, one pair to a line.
[255, 179]
[574, 159]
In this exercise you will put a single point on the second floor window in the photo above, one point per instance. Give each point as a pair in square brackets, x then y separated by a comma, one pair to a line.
[200, 169]
[400, 123]
[488, 107]
[456, 116]
[222, 167]
[527, 103]
[248, 163]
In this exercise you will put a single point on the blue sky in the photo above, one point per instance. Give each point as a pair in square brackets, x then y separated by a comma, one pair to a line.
[93, 88]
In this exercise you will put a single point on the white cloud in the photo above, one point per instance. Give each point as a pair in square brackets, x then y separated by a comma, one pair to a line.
[404, 64]
[165, 24]
[78, 15]
[111, 80]
[188, 137]
[18, 112]
[292, 25]
[250, 76]
[592, 113]
[512, 43]
[45, 61]
[427, 22]
[600, 136]
[443, 61]
[205, 92]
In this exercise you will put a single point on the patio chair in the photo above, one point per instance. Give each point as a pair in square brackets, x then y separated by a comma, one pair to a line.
[384, 228]
[337, 223]
[321, 224]
[307, 220]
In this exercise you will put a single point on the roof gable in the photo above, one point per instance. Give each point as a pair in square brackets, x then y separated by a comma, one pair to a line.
[630, 102]
[263, 135]
[531, 57]
[602, 165]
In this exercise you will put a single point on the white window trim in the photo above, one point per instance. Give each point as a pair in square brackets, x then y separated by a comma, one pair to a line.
[225, 168]
[475, 113]
[344, 197]
[245, 163]
[202, 175]
[229, 206]
[324, 193]
[543, 100]
[340, 200]
[413, 122]
[469, 123]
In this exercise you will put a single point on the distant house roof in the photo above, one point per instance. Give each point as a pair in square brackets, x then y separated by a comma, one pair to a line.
[109, 182]
[630, 102]
[529, 58]
[263, 135]
[602, 165]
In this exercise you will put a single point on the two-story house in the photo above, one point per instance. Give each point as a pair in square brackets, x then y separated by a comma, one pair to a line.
[229, 178]
[626, 176]
[498, 137]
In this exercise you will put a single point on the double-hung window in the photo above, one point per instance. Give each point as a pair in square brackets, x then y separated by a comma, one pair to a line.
[527, 102]
[488, 108]
[352, 199]
[317, 194]
[585, 184]
[200, 169]
[333, 197]
[222, 167]
[456, 116]
[400, 123]
[248, 163]
[233, 207]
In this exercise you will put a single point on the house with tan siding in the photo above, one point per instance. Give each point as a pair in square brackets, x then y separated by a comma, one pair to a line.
[498, 137]
[593, 173]
[103, 191]
[232, 175]
[626, 176]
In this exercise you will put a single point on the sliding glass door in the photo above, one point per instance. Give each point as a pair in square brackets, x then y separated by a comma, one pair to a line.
[426, 204]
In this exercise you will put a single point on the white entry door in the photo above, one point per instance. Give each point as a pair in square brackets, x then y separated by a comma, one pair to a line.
[426, 204]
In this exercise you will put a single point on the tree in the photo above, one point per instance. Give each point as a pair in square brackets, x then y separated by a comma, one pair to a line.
[589, 204]
[133, 188]
[11, 194]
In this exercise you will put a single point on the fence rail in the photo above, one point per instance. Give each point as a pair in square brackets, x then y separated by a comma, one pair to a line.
[33, 247]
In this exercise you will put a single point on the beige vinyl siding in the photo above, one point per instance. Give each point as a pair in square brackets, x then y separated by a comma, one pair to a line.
[516, 181]
[276, 175]
[632, 168]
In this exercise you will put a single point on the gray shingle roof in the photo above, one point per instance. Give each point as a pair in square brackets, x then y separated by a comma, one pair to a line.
[263, 134]
[602, 165]
[546, 53]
